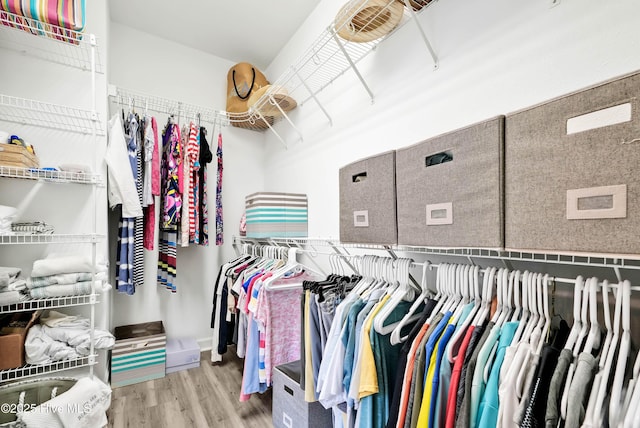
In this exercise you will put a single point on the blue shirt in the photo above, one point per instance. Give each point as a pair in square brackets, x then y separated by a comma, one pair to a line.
[490, 403]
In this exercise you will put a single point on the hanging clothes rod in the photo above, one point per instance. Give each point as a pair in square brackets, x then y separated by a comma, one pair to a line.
[613, 285]
[146, 102]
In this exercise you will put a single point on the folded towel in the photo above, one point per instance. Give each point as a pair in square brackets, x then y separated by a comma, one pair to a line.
[11, 298]
[65, 278]
[76, 289]
[32, 228]
[83, 405]
[58, 319]
[62, 290]
[61, 264]
[17, 285]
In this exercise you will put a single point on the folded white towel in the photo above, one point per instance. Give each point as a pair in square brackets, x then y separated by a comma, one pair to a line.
[62, 264]
[17, 285]
[83, 405]
[58, 319]
[64, 278]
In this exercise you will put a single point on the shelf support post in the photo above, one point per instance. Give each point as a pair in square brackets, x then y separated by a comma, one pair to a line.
[313, 95]
[254, 112]
[352, 64]
[273, 102]
[414, 17]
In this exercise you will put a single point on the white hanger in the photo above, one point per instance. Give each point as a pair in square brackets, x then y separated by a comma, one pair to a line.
[524, 312]
[503, 283]
[625, 344]
[456, 285]
[439, 297]
[516, 287]
[609, 350]
[577, 320]
[487, 290]
[410, 317]
[471, 279]
[584, 328]
[400, 293]
[593, 339]
[545, 310]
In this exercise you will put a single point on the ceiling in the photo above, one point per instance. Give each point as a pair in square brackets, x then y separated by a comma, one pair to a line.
[250, 30]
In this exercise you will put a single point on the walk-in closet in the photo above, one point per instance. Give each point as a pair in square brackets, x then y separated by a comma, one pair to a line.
[320, 213]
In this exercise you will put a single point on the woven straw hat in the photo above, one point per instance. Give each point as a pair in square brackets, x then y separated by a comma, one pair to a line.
[367, 20]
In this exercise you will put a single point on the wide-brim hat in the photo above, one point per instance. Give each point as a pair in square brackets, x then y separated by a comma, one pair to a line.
[367, 20]
[266, 106]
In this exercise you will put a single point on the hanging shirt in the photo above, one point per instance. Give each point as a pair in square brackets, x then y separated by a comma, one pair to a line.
[187, 195]
[171, 166]
[121, 184]
[463, 403]
[455, 378]
[488, 408]
[219, 222]
[406, 361]
[478, 385]
[203, 217]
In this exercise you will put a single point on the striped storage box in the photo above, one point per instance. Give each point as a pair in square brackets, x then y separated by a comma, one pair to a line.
[138, 354]
[271, 214]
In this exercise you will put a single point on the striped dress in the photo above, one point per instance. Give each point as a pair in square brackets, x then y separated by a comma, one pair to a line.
[171, 207]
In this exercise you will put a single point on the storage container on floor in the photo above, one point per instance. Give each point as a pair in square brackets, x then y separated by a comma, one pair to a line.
[368, 200]
[138, 354]
[289, 408]
[182, 354]
[450, 188]
[572, 181]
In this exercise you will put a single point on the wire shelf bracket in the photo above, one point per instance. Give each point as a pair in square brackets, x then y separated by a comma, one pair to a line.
[425, 39]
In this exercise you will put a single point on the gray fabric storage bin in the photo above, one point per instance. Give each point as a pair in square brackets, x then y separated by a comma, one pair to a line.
[572, 181]
[458, 203]
[289, 408]
[368, 200]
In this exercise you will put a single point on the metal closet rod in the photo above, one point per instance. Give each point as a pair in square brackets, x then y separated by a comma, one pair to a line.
[430, 265]
[127, 97]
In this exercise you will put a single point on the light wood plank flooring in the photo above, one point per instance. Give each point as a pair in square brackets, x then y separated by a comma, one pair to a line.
[204, 397]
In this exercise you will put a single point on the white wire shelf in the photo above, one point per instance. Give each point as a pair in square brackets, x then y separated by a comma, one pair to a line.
[577, 259]
[54, 116]
[30, 370]
[49, 303]
[50, 176]
[142, 102]
[48, 42]
[17, 239]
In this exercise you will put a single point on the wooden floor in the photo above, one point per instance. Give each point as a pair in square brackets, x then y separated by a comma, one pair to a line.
[204, 397]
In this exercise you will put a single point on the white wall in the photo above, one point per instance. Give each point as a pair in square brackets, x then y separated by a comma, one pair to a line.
[148, 64]
[496, 56]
